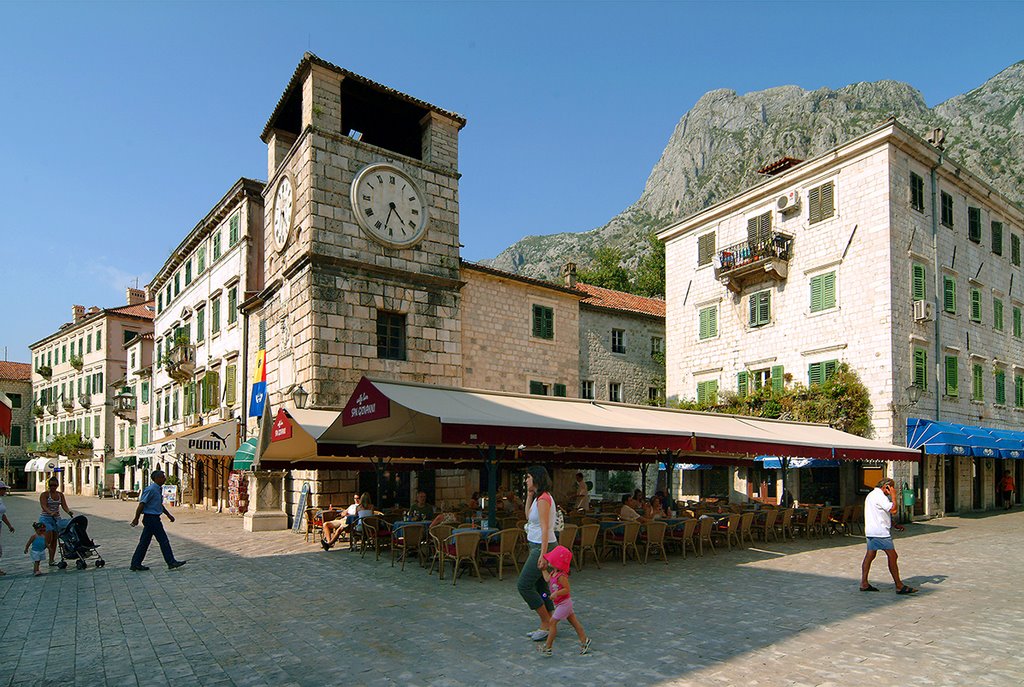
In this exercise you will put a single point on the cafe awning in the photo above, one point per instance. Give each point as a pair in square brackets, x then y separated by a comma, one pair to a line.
[116, 465]
[402, 419]
[41, 465]
[775, 463]
[955, 439]
[245, 454]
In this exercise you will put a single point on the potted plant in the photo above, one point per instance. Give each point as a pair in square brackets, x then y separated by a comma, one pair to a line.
[37, 411]
[76, 361]
[45, 371]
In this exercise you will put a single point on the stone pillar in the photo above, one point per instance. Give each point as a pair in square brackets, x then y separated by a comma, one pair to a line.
[266, 500]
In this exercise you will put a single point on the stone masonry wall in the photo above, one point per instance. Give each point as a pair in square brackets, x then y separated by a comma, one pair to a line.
[636, 369]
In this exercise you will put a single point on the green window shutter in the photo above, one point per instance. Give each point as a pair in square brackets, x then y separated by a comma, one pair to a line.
[764, 307]
[918, 282]
[703, 324]
[1017, 323]
[560, 390]
[538, 326]
[741, 383]
[1015, 249]
[709, 322]
[713, 326]
[702, 391]
[753, 310]
[997, 314]
[827, 203]
[814, 374]
[543, 322]
[1000, 387]
[705, 248]
[707, 392]
[713, 391]
[537, 388]
[949, 295]
[952, 375]
[974, 224]
[814, 205]
[200, 324]
[975, 305]
[921, 369]
[997, 238]
[816, 302]
[232, 305]
[549, 323]
[978, 383]
[778, 379]
[829, 369]
[828, 293]
[233, 232]
[230, 380]
[1018, 391]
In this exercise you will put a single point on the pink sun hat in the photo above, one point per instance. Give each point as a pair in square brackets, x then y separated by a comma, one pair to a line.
[559, 557]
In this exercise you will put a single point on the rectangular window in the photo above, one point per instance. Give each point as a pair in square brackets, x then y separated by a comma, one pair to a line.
[742, 383]
[587, 389]
[211, 391]
[168, 294]
[618, 341]
[1015, 249]
[200, 324]
[975, 305]
[997, 314]
[16, 398]
[543, 322]
[653, 396]
[120, 438]
[708, 322]
[760, 308]
[947, 210]
[230, 382]
[1001, 387]
[201, 260]
[819, 373]
[160, 303]
[174, 405]
[188, 395]
[159, 352]
[216, 245]
[977, 382]
[559, 390]
[177, 284]
[921, 368]
[1018, 325]
[997, 238]
[15, 435]
[777, 378]
[820, 203]
[823, 292]
[705, 248]
[974, 224]
[615, 392]
[707, 392]
[390, 335]
[538, 388]
[188, 271]
[1018, 391]
[64, 353]
[918, 282]
[99, 340]
[232, 305]
[759, 229]
[949, 295]
[916, 192]
[88, 426]
[145, 434]
[657, 346]
[233, 230]
[145, 392]
[215, 316]
[952, 376]
[131, 436]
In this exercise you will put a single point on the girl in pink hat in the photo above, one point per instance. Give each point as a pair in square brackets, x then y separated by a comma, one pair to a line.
[556, 573]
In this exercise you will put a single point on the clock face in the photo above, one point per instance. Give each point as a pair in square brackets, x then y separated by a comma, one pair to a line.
[389, 206]
[283, 212]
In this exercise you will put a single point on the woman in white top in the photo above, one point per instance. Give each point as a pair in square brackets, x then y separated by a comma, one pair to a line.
[3, 516]
[540, 536]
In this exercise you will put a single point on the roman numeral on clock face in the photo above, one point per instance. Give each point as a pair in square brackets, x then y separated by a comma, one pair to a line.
[369, 212]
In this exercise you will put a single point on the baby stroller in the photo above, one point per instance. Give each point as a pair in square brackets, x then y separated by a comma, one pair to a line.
[75, 545]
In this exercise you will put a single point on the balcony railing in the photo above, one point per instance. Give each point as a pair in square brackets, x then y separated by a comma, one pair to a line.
[754, 260]
[180, 362]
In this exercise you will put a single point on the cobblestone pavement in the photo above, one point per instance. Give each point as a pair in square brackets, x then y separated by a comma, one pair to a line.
[270, 609]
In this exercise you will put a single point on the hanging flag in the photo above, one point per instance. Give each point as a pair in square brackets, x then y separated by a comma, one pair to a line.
[259, 385]
[5, 415]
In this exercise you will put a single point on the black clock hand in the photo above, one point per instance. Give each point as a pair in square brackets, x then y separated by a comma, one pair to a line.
[395, 210]
[388, 218]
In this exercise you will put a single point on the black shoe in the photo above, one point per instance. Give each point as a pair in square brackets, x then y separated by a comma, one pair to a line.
[139, 568]
[323, 543]
[176, 564]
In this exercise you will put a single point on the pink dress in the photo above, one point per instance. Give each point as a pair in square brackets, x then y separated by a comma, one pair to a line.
[563, 607]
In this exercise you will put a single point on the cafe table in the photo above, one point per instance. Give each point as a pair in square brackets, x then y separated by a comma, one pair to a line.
[484, 532]
[396, 527]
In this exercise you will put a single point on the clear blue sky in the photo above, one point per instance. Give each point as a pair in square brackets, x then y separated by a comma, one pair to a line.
[124, 122]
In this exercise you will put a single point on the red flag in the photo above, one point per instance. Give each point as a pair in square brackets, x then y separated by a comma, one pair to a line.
[5, 415]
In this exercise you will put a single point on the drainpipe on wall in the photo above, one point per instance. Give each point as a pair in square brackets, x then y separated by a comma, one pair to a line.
[938, 137]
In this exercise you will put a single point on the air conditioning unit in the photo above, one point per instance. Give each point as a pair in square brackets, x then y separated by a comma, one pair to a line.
[924, 311]
[191, 420]
[225, 413]
[788, 202]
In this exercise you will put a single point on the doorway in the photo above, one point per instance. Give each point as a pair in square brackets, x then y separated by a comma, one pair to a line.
[976, 486]
[949, 504]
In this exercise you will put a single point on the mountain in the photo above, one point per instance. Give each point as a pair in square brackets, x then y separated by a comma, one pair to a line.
[717, 147]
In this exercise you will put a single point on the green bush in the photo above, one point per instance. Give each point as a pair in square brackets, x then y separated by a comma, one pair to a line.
[621, 481]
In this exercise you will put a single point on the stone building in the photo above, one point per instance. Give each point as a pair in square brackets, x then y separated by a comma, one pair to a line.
[132, 417]
[200, 338]
[16, 384]
[72, 372]
[861, 256]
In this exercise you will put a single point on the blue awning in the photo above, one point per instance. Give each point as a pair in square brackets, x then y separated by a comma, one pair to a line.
[693, 466]
[954, 439]
[775, 462]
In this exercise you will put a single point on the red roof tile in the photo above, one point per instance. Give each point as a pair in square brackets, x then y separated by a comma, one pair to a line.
[619, 300]
[145, 310]
[21, 372]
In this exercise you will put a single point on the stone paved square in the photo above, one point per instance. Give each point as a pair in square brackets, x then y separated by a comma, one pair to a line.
[271, 609]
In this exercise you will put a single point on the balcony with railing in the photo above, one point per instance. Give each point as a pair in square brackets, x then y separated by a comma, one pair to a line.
[751, 261]
[125, 404]
[180, 362]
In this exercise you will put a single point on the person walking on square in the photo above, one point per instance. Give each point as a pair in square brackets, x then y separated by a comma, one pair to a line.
[879, 507]
[37, 542]
[50, 503]
[151, 507]
[556, 573]
[540, 533]
[3, 517]
[1007, 486]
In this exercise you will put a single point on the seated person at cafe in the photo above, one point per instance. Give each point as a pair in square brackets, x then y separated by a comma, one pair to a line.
[365, 510]
[474, 501]
[511, 503]
[654, 510]
[445, 517]
[334, 528]
[421, 510]
[628, 510]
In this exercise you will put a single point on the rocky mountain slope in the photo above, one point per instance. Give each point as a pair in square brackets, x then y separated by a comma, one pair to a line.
[717, 147]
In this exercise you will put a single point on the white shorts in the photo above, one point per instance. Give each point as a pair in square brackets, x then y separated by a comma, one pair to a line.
[37, 555]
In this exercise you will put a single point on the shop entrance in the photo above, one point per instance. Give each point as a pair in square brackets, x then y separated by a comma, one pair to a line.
[949, 504]
[976, 483]
[394, 487]
[819, 485]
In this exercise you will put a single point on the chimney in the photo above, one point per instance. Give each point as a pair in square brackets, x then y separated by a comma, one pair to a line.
[136, 296]
[569, 274]
[77, 312]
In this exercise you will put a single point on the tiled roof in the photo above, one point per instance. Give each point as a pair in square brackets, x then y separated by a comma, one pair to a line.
[21, 372]
[779, 166]
[493, 271]
[143, 310]
[619, 300]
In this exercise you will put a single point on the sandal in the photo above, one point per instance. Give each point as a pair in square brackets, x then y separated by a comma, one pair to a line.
[869, 588]
[906, 590]
[585, 647]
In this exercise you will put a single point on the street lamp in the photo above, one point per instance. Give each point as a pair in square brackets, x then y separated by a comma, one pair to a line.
[913, 394]
[300, 396]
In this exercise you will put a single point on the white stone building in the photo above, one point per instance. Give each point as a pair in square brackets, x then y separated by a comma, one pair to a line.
[846, 258]
[71, 376]
[132, 423]
[199, 349]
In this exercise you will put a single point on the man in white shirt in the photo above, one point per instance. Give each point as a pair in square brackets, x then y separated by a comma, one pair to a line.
[879, 507]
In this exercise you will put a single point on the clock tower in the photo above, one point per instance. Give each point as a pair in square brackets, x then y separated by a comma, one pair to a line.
[362, 236]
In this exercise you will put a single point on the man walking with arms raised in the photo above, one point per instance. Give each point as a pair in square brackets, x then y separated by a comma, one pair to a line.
[151, 507]
[879, 507]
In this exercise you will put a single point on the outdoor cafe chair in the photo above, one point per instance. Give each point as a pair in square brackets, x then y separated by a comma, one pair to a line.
[568, 535]
[806, 524]
[622, 536]
[653, 537]
[857, 519]
[502, 545]
[587, 541]
[704, 532]
[314, 522]
[730, 532]
[823, 525]
[438, 533]
[460, 547]
[746, 528]
[767, 526]
[406, 539]
[842, 523]
[683, 536]
[375, 533]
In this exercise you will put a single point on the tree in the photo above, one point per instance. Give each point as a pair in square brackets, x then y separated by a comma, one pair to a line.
[650, 271]
[607, 271]
[68, 445]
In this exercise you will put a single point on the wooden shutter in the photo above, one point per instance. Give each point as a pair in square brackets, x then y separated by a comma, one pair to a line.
[997, 238]
[1000, 387]
[713, 321]
[752, 230]
[1017, 322]
[921, 369]
[816, 294]
[741, 383]
[814, 375]
[974, 224]
[975, 305]
[949, 294]
[559, 390]
[997, 314]
[814, 205]
[952, 376]
[764, 307]
[828, 291]
[537, 388]
[918, 289]
[978, 383]
[778, 379]
[827, 201]
[705, 248]
[1018, 391]
[230, 375]
[1015, 249]
[753, 320]
[828, 369]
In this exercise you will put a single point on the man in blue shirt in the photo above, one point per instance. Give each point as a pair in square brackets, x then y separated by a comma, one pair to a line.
[151, 506]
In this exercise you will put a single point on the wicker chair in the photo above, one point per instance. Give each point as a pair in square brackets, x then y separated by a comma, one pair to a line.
[501, 545]
[767, 526]
[746, 527]
[823, 525]
[683, 536]
[857, 519]
[808, 524]
[374, 532]
[438, 533]
[730, 532]
[624, 537]
[314, 522]
[653, 537]
[460, 547]
[567, 537]
[405, 539]
[587, 541]
[705, 530]
[784, 523]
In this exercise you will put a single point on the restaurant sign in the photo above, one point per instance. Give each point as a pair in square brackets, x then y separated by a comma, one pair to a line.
[282, 427]
[366, 403]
